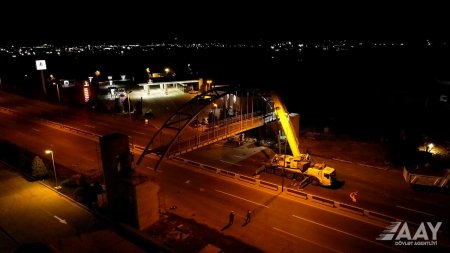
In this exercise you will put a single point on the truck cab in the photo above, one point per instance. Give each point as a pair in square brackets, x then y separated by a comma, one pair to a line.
[321, 174]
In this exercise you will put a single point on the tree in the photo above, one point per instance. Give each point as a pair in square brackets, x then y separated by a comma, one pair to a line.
[38, 169]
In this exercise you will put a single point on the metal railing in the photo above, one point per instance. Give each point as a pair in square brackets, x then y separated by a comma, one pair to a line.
[218, 131]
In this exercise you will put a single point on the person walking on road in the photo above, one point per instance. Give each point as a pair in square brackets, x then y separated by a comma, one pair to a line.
[248, 217]
[231, 218]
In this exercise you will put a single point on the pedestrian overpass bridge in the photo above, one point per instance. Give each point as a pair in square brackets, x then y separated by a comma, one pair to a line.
[209, 117]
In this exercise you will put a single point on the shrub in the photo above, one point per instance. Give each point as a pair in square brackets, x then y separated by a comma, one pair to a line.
[38, 168]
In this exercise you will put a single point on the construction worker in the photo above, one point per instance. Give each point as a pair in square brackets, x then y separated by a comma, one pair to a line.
[353, 196]
[231, 218]
[248, 216]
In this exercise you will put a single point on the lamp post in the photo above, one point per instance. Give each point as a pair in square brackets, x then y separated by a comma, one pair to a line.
[284, 166]
[209, 84]
[48, 151]
[54, 82]
[148, 74]
[57, 89]
[167, 70]
[214, 118]
[129, 106]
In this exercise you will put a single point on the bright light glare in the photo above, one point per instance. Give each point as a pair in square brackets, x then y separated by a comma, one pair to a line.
[48, 151]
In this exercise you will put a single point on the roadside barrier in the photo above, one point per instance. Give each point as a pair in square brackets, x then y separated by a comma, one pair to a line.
[297, 193]
[350, 208]
[292, 192]
[268, 185]
[324, 201]
[178, 158]
[192, 163]
[247, 179]
[227, 173]
[209, 168]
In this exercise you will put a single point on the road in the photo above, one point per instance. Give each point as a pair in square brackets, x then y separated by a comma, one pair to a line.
[379, 190]
[31, 212]
[278, 224]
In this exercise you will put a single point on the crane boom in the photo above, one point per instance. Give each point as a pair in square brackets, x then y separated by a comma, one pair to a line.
[286, 124]
[298, 166]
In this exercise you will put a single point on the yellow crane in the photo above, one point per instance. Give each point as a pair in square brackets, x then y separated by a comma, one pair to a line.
[297, 165]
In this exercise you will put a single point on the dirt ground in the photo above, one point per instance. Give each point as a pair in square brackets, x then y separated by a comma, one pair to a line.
[365, 152]
[186, 235]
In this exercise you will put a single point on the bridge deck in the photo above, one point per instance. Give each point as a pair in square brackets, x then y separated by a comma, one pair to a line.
[223, 130]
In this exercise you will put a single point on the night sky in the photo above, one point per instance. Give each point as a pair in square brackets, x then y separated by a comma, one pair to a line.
[80, 22]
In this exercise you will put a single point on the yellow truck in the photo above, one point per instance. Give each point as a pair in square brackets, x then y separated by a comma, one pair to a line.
[298, 165]
[300, 168]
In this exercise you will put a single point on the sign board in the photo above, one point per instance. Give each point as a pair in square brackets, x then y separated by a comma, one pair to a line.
[86, 94]
[109, 77]
[41, 65]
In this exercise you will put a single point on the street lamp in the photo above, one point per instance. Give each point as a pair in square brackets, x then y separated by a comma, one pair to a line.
[429, 147]
[209, 83]
[54, 82]
[129, 107]
[148, 74]
[48, 151]
[214, 118]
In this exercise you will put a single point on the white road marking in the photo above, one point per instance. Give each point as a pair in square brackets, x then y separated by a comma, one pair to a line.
[417, 211]
[63, 221]
[238, 156]
[340, 160]
[229, 194]
[346, 233]
[35, 129]
[230, 163]
[138, 132]
[187, 181]
[304, 239]
[150, 168]
[91, 126]
[371, 166]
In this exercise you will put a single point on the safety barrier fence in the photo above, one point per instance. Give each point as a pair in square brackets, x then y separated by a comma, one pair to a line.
[292, 192]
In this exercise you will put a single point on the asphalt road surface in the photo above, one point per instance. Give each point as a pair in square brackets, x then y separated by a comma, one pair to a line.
[280, 225]
[31, 212]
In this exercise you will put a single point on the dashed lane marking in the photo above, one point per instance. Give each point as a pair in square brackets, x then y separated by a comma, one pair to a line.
[229, 194]
[230, 163]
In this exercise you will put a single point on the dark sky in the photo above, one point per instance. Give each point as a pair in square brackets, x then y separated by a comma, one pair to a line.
[146, 21]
